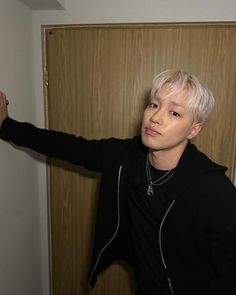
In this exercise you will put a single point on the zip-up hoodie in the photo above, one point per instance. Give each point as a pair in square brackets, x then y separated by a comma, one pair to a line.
[197, 236]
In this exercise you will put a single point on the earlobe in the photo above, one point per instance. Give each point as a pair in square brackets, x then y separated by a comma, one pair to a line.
[195, 129]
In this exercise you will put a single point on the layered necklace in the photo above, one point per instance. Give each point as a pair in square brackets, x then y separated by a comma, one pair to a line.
[158, 181]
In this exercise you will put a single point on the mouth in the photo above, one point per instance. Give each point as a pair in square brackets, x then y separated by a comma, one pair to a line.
[152, 132]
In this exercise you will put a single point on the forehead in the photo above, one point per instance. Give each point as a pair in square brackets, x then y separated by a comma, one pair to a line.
[178, 98]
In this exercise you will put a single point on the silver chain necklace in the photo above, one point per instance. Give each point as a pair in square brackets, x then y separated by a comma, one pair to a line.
[158, 181]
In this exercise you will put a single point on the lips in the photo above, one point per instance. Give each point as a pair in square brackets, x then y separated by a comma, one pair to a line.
[151, 131]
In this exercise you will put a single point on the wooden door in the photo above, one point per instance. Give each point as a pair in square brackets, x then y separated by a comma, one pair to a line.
[99, 77]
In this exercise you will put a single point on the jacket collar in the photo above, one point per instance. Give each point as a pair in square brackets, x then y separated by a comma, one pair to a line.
[192, 165]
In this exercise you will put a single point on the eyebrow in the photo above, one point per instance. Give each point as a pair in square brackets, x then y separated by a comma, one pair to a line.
[177, 104]
[172, 102]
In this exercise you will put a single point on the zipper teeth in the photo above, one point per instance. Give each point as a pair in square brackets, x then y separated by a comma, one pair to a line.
[160, 229]
[117, 227]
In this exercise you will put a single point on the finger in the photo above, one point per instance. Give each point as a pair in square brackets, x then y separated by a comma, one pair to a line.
[4, 98]
[2, 94]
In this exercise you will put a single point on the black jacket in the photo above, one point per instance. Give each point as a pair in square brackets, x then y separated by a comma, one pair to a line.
[197, 236]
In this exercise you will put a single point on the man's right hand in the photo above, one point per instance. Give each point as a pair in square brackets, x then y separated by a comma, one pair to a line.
[3, 107]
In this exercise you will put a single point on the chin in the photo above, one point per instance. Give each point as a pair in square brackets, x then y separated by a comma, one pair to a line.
[148, 142]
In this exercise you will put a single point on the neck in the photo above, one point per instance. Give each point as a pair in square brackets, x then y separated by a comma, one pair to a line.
[168, 158]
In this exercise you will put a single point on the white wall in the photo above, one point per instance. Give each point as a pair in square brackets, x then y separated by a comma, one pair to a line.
[23, 193]
[20, 261]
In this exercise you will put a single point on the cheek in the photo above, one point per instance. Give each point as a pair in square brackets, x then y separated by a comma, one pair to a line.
[187, 131]
[145, 117]
[182, 130]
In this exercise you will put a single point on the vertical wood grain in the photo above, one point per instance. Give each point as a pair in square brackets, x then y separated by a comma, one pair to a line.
[99, 78]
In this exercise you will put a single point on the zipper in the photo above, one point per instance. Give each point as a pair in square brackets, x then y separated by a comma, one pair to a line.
[117, 227]
[160, 245]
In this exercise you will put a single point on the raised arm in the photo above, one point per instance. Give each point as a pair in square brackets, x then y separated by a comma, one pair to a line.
[69, 147]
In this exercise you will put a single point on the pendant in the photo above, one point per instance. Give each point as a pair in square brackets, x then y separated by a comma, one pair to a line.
[150, 190]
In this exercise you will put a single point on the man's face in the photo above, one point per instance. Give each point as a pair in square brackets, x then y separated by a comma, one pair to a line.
[167, 122]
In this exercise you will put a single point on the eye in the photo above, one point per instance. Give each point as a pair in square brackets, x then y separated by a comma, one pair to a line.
[175, 114]
[152, 105]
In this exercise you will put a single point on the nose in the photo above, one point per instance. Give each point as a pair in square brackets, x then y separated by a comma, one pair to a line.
[157, 117]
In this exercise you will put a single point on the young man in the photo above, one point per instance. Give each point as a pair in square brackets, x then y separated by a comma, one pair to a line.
[164, 207]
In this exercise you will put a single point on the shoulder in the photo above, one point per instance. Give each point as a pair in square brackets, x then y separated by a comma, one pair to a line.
[198, 165]
[119, 151]
[217, 182]
[111, 145]
[206, 177]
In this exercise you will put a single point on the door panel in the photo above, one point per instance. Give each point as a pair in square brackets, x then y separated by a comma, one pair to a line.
[99, 79]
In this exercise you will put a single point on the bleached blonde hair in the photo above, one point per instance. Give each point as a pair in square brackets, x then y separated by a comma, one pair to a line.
[200, 99]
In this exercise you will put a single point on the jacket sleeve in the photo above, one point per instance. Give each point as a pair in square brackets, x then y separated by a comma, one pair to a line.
[222, 233]
[60, 145]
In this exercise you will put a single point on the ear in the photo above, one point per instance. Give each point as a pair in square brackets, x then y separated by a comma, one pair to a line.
[195, 129]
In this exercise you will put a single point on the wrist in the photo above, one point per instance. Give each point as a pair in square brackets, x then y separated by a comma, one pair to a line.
[2, 120]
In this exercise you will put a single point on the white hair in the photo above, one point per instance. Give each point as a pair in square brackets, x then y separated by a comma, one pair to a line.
[200, 99]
